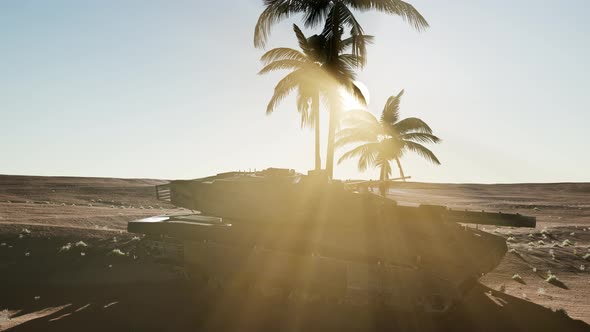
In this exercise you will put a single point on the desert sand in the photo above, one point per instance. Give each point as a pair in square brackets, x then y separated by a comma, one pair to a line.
[59, 235]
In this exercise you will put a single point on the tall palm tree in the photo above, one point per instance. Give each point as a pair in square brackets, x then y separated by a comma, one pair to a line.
[386, 139]
[308, 77]
[337, 15]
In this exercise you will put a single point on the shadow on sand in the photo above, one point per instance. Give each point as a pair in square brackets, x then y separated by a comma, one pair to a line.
[175, 307]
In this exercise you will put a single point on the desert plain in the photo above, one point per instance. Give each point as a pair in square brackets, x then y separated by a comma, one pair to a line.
[68, 264]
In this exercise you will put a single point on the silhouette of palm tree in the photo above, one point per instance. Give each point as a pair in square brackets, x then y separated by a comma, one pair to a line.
[386, 139]
[308, 77]
[336, 15]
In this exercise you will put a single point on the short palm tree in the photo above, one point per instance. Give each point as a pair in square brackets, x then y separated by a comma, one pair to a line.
[336, 15]
[385, 140]
[308, 77]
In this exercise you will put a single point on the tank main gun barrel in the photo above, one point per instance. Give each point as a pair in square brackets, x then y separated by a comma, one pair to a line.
[482, 217]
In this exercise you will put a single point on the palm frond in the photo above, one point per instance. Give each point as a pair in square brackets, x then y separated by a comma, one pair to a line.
[273, 13]
[422, 151]
[310, 78]
[354, 135]
[283, 65]
[420, 137]
[368, 157]
[303, 106]
[397, 7]
[316, 12]
[358, 94]
[361, 118]
[358, 45]
[408, 125]
[343, 71]
[390, 114]
[277, 10]
[347, 42]
[339, 16]
[351, 60]
[282, 89]
[283, 53]
[391, 147]
[302, 40]
[367, 154]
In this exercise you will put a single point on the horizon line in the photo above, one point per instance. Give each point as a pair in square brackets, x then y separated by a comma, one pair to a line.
[343, 180]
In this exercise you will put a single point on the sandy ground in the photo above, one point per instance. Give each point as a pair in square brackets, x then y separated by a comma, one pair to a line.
[558, 245]
[59, 235]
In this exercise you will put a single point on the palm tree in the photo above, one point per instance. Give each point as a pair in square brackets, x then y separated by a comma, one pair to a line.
[386, 139]
[337, 15]
[308, 77]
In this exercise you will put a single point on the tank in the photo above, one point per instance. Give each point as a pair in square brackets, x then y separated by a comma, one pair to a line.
[306, 238]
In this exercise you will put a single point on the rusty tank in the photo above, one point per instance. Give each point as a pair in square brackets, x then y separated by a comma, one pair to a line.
[307, 238]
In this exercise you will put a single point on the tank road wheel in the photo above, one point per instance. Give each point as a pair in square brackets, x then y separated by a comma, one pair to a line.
[292, 295]
[466, 286]
[256, 290]
[197, 278]
[301, 295]
[380, 299]
[214, 284]
[240, 287]
[280, 294]
[332, 298]
[273, 292]
[434, 304]
[390, 300]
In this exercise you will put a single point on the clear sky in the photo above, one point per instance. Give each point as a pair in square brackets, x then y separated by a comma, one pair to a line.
[168, 89]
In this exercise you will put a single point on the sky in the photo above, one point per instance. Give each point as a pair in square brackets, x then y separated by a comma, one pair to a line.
[169, 89]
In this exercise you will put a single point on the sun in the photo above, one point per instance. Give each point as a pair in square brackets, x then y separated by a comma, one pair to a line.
[350, 102]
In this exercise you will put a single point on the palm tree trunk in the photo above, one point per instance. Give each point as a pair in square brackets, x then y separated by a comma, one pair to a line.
[335, 109]
[330, 151]
[334, 103]
[315, 106]
[382, 181]
[401, 171]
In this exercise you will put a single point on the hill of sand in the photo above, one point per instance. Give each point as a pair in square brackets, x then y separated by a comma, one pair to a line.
[59, 235]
